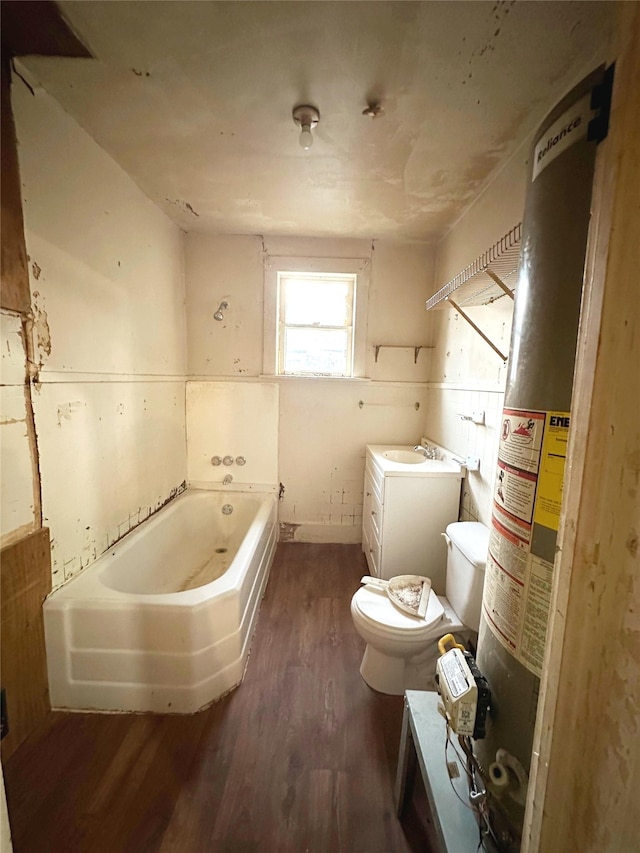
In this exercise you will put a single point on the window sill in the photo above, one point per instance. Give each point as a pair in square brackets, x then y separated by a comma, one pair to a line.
[319, 378]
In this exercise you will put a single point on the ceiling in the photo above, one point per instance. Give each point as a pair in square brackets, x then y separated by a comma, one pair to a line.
[194, 101]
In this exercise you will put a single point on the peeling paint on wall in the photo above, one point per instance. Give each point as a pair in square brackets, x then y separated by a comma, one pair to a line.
[20, 492]
[66, 410]
[134, 519]
[41, 331]
[64, 570]
[184, 206]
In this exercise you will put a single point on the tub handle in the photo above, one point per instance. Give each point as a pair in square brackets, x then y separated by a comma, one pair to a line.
[228, 460]
[215, 460]
[240, 460]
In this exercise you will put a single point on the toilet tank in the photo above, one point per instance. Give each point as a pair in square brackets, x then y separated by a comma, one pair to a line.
[467, 546]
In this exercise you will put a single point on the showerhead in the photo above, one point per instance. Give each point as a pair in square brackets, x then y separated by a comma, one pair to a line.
[219, 315]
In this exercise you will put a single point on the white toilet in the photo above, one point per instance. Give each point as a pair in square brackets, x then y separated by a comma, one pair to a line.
[401, 649]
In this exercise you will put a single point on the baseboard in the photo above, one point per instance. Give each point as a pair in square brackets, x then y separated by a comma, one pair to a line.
[341, 534]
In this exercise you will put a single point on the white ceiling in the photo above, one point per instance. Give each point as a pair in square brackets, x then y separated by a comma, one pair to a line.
[194, 100]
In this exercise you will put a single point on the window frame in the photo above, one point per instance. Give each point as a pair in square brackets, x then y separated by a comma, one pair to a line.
[358, 267]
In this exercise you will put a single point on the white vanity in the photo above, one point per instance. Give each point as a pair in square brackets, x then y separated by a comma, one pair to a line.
[408, 502]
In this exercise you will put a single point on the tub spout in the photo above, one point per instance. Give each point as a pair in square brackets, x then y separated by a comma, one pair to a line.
[228, 479]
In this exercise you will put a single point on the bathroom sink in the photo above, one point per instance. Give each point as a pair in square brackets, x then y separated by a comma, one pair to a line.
[405, 457]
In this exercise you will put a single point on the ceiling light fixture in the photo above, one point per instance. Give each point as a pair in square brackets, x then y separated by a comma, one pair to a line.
[373, 110]
[306, 118]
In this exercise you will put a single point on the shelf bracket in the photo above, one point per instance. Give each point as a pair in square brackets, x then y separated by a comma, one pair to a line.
[416, 349]
[499, 282]
[476, 328]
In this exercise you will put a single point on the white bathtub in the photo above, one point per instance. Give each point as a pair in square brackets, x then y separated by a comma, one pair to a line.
[163, 620]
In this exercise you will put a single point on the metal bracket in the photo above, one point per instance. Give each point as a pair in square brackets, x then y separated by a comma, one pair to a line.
[416, 349]
[476, 328]
[499, 282]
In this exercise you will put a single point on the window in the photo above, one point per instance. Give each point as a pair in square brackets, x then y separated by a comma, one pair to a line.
[315, 323]
[315, 317]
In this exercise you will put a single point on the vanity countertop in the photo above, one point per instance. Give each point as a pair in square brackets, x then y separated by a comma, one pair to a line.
[386, 459]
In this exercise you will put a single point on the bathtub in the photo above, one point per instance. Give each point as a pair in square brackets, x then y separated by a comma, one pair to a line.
[163, 620]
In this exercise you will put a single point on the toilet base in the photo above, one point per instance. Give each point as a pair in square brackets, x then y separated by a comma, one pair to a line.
[394, 675]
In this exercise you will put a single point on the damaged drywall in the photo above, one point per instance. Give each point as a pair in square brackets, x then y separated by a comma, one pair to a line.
[19, 493]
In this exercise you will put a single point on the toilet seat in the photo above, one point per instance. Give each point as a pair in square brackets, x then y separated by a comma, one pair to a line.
[383, 617]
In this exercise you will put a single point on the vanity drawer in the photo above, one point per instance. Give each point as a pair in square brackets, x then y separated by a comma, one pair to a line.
[374, 511]
[371, 548]
[373, 482]
[368, 529]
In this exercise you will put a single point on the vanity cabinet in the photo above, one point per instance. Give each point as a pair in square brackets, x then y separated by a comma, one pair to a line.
[406, 508]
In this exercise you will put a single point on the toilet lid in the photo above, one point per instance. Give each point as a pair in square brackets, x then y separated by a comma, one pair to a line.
[375, 606]
[472, 538]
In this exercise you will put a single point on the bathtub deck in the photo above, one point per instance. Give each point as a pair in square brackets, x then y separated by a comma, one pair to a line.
[302, 757]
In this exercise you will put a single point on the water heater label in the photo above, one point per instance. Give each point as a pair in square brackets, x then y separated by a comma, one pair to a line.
[527, 492]
[551, 474]
[571, 127]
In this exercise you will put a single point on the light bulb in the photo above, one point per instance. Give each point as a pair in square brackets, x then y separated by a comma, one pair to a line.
[306, 137]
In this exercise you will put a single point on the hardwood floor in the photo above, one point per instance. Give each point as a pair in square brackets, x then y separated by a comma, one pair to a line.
[301, 758]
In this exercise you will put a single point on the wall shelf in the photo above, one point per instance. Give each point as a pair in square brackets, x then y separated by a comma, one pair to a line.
[416, 349]
[490, 277]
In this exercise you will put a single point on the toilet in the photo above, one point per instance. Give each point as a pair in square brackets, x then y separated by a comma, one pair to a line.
[402, 650]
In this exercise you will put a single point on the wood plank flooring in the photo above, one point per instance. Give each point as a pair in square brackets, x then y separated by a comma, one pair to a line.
[301, 758]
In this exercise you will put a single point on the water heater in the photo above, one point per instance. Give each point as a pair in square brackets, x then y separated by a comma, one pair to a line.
[535, 426]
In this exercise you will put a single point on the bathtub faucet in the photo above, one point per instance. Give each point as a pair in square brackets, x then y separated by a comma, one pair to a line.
[228, 479]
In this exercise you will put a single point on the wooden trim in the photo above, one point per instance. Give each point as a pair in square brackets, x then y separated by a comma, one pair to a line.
[25, 581]
[583, 780]
[14, 276]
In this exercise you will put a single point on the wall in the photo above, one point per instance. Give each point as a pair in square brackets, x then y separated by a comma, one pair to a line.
[108, 362]
[25, 562]
[233, 421]
[19, 493]
[13, 264]
[466, 374]
[323, 428]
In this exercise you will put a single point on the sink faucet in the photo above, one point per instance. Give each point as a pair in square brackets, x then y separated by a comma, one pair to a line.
[228, 479]
[429, 452]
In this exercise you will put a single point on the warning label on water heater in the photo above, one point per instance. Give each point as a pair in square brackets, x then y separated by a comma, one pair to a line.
[527, 492]
[551, 473]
